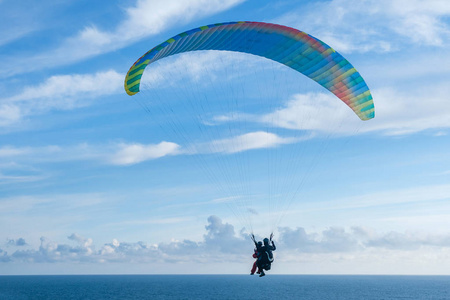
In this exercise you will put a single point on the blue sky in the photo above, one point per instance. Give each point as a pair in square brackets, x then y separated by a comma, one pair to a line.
[91, 182]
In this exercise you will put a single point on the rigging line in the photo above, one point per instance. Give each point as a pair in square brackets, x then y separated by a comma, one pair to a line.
[296, 158]
[275, 90]
[274, 154]
[208, 170]
[275, 158]
[180, 131]
[229, 156]
[258, 75]
[232, 132]
[239, 97]
[279, 160]
[316, 160]
[306, 174]
[195, 112]
[211, 146]
[253, 199]
[242, 158]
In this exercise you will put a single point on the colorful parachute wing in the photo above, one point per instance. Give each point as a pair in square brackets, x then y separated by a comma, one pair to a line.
[291, 47]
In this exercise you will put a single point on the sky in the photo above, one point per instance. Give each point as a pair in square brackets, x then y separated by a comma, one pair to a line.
[93, 181]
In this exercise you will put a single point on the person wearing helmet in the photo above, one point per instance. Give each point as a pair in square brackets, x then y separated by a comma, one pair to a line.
[265, 258]
[255, 255]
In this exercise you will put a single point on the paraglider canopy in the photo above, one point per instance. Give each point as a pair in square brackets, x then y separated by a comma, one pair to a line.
[291, 47]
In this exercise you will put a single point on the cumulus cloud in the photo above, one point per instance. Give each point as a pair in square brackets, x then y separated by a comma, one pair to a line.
[357, 239]
[82, 241]
[333, 239]
[17, 242]
[373, 25]
[221, 243]
[4, 257]
[219, 239]
[50, 251]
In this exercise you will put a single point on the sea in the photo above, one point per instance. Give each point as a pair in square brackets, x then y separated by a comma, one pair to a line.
[271, 286]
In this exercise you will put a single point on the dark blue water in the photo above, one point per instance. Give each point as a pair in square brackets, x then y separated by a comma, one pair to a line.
[272, 287]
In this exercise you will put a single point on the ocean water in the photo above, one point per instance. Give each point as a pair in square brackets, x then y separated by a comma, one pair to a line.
[272, 287]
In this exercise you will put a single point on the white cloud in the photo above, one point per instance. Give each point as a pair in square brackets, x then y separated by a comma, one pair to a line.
[373, 25]
[145, 18]
[9, 151]
[84, 242]
[70, 86]
[312, 111]
[60, 92]
[421, 108]
[248, 141]
[334, 239]
[421, 22]
[8, 179]
[9, 114]
[220, 239]
[136, 153]
[221, 244]
[359, 239]
[132, 153]
[18, 157]
[114, 153]
[67, 92]
[396, 113]
[151, 17]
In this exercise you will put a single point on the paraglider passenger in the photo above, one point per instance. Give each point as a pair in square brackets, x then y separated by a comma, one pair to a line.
[255, 255]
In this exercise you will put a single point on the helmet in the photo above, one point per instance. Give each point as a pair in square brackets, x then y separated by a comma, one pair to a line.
[260, 243]
[266, 241]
